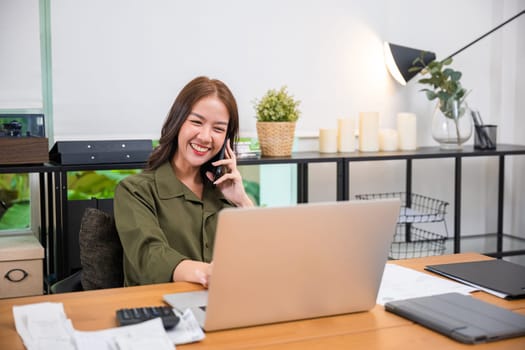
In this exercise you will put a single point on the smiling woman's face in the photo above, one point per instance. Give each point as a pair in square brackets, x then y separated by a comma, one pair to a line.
[202, 134]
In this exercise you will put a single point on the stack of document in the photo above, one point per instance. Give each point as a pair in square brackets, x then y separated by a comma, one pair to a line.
[45, 326]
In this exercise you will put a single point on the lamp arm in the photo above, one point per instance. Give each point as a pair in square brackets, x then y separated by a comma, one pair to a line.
[484, 35]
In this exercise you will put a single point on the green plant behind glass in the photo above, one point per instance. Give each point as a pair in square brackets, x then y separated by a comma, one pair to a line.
[99, 184]
[14, 201]
[84, 185]
[252, 189]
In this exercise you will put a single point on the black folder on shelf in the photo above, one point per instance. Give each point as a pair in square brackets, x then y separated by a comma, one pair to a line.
[498, 277]
[100, 151]
[461, 317]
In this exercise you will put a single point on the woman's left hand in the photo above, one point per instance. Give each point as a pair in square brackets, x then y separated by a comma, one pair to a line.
[230, 183]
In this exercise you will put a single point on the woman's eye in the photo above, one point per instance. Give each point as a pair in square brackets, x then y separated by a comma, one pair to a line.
[195, 122]
[221, 130]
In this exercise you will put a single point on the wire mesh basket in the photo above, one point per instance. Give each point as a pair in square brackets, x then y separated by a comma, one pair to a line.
[420, 208]
[414, 242]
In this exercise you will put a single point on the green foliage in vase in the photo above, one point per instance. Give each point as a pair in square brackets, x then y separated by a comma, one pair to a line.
[277, 106]
[445, 83]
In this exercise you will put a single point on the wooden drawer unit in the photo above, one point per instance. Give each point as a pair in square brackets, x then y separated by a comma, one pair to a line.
[21, 270]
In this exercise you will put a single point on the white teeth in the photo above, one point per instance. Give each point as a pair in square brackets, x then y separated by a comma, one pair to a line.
[198, 148]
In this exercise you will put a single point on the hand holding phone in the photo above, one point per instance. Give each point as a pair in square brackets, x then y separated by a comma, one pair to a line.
[217, 171]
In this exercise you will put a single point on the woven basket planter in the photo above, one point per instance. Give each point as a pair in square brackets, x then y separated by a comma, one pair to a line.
[276, 138]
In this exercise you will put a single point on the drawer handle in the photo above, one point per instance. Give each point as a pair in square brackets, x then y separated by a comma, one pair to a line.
[12, 271]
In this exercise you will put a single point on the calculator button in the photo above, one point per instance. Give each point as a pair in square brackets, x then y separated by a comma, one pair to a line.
[125, 314]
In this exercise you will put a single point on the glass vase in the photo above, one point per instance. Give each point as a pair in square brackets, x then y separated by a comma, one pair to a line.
[451, 124]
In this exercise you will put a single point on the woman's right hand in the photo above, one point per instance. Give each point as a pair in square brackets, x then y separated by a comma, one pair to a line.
[204, 276]
[193, 271]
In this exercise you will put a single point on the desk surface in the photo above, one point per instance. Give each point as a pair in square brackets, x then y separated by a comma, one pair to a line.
[377, 329]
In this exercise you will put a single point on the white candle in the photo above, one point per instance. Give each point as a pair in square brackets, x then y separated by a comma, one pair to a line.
[388, 140]
[345, 135]
[369, 131]
[328, 140]
[407, 131]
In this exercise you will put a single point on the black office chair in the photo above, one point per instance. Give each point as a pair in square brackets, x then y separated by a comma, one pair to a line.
[100, 255]
[71, 283]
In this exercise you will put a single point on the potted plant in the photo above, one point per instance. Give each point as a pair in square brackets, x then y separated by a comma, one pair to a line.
[276, 113]
[449, 126]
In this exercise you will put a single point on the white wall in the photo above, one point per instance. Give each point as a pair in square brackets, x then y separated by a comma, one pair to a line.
[20, 83]
[121, 62]
[117, 66]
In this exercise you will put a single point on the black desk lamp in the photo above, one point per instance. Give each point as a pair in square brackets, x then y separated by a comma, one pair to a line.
[399, 58]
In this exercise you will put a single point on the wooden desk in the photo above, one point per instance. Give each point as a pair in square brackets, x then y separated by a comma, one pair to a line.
[376, 329]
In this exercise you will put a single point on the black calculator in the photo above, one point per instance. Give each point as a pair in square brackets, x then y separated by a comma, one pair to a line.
[135, 315]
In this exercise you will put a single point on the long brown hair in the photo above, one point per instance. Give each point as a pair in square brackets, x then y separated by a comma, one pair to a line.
[195, 90]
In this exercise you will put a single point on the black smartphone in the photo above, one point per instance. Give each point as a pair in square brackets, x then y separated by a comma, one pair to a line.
[216, 170]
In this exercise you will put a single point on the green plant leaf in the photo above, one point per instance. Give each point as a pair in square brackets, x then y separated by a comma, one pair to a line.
[448, 72]
[455, 76]
[447, 61]
[425, 81]
[431, 95]
[443, 96]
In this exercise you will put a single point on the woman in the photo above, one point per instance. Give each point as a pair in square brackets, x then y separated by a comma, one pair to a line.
[166, 216]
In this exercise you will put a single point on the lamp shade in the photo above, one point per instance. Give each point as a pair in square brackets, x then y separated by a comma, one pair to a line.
[399, 59]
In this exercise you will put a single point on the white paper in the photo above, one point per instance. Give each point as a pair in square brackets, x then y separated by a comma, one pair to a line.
[187, 330]
[146, 335]
[44, 326]
[149, 343]
[401, 283]
[151, 333]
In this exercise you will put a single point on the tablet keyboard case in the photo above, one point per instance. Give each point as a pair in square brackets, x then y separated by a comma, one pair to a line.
[461, 317]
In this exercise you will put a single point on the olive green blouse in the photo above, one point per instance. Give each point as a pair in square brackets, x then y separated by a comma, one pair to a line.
[161, 222]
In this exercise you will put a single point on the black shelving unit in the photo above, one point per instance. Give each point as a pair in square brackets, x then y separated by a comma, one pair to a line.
[343, 163]
[501, 151]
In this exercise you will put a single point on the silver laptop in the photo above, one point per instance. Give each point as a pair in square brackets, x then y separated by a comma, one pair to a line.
[288, 263]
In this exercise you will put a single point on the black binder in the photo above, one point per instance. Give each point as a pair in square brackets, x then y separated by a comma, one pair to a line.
[101, 152]
[498, 277]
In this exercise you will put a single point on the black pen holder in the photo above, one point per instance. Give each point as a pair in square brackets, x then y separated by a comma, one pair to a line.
[485, 137]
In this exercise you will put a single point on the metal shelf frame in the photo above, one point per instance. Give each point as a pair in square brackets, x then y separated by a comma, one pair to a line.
[56, 203]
